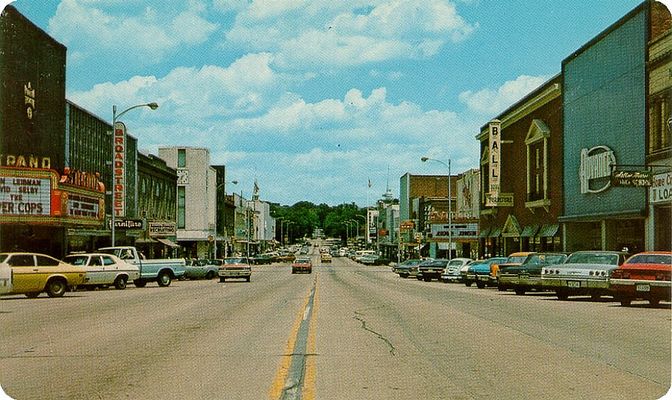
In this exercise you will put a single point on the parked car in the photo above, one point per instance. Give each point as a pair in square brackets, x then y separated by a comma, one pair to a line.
[583, 273]
[454, 268]
[479, 271]
[374, 259]
[201, 269]
[104, 269]
[431, 269]
[513, 260]
[235, 267]
[527, 276]
[644, 276]
[302, 265]
[34, 273]
[162, 271]
[407, 268]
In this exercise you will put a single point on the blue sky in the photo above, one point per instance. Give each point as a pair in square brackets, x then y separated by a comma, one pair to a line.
[315, 98]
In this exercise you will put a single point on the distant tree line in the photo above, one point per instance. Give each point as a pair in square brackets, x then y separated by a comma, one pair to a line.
[305, 217]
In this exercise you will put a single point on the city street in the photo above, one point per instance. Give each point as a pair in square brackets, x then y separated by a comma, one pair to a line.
[346, 331]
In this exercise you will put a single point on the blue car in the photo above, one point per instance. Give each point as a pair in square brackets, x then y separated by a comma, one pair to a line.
[479, 272]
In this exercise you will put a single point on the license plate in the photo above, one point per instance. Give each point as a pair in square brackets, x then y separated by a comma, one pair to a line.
[643, 288]
[574, 284]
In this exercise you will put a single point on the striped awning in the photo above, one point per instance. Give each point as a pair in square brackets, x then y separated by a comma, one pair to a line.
[530, 230]
[548, 230]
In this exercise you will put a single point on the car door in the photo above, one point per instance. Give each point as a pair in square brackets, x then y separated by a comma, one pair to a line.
[26, 274]
[95, 271]
[111, 268]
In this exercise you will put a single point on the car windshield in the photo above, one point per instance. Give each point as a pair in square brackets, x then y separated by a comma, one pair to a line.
[411, 262]
[516, 259]
[541, 259]
[235, 260]
[3, 257]
[664, 259]
[76, 260]
[592, 258]
[302, 260]
[456, 262]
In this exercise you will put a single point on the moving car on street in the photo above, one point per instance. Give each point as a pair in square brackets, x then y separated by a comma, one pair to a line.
[407, 268]
[302, 265]
[644, 276]
[235, 267]
[104, 269]
[583, 273]
[34, 273]
[325, 257]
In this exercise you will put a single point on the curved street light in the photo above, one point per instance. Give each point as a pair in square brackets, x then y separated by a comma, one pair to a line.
[115, 118]
[450, 206]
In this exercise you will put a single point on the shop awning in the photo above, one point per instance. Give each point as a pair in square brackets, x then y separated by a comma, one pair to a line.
[548, 230]
[530, 230]
[168, 242]
[495, 232]
[484, 232]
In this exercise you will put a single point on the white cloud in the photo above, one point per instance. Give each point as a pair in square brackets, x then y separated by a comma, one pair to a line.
[244, 86]
[147, 35]
[494, 101]
[324, 32]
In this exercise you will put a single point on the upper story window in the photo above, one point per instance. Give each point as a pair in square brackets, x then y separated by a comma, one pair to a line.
[660, 131]
[181, 158]
[536, 143]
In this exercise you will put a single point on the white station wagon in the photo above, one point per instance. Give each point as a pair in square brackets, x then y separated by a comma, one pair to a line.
[104, 269]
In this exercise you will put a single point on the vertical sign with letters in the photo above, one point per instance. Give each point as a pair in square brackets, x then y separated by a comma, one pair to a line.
[495, 146]
[119, 174]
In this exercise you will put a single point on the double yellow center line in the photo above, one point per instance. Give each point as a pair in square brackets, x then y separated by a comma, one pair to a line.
[295, 377]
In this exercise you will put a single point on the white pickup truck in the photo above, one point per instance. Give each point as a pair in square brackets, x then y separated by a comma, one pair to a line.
[163, 271]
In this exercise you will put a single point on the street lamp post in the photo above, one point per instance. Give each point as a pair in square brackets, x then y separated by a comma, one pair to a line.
[115, 117]
[450, 206]
[224, 217]
[357, 224]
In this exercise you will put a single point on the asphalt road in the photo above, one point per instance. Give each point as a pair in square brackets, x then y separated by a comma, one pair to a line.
[346, 331]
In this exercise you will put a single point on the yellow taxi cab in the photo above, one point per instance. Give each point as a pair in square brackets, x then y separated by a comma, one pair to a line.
[34, 273]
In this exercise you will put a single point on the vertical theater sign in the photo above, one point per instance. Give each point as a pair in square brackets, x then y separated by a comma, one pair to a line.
[119, 176]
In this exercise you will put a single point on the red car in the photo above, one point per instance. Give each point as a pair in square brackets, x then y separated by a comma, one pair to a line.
[645, 276]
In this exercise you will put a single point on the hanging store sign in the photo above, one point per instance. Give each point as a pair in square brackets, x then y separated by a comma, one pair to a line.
[499, 200]
[25, 196]
[458, 231]
[119, 170]
[132, 224]
[595, 169]
[162, 228]
[632, 178]
[495, 142]
[661, 189]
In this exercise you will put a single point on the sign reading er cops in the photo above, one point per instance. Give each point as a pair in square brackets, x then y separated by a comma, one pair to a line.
[25, 196]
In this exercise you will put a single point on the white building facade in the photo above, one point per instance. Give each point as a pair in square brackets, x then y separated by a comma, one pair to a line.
[196, 199]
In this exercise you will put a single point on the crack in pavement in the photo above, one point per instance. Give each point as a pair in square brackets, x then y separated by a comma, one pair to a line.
[360, 317]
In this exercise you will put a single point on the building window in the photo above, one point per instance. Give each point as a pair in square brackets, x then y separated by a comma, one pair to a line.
[181, 207]
[536, 143]
[181, 158]
[659, 122]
